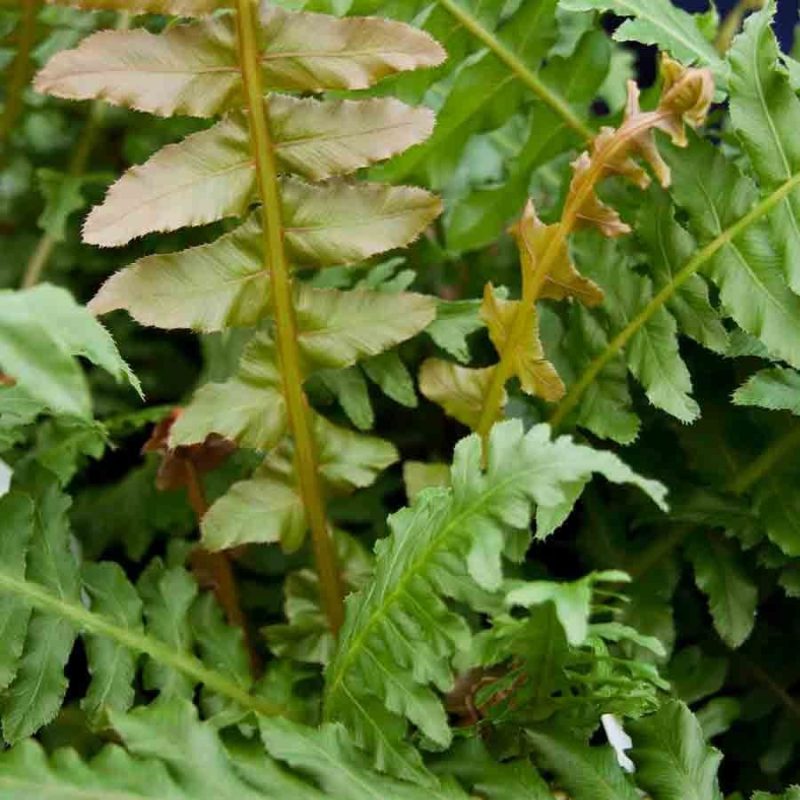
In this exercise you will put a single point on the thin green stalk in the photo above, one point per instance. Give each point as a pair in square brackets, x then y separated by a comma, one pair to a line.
[766, 680]
[705, 254]
[765, 462]
[657, 551]
[277, 263]
[733, 22]
[518, 67]
[96, 624]
[77, 166]
[18, 77]
[38, 260]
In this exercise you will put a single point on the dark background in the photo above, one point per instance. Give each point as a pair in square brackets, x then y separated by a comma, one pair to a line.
[784, 24]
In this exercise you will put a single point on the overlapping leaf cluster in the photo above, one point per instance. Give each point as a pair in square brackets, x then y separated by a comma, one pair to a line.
[472, 660]
[399, 635]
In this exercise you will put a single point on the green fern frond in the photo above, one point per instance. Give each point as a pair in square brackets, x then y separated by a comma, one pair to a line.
[42, 613]
[399, 634]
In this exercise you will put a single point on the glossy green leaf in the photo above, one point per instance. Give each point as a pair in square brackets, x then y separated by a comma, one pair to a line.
[478, 218]
[37, 691]
[732, 596]
[765, 112]
[749, 270]
[572, 600]
[193, 69]
[336, 329]
[349, 387]
[661, 23]
[348, 459]
[263, 509]
[470, 761]
[482, 87]
[455, 322]
[226, 282]
[587, 773]
[221, 645]
[318, 139]
[211, 175]
[340, 223]
[388, 371]
[207, 176]
[182, 8]
[167, 594]
[673, 761]
[205, 288]
[328, 754]
[249, 408]
[606, 408]
[669, 246]
[777, 389]
[42, 330]
[16, 529]
[652, 353]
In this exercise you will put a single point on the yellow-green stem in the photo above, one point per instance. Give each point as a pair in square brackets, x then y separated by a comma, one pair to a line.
[695, 263]
[18, 77]
[77, 166]
[286, 327]
[532, 287]
[764, 463]
[732, 22]
[518, 67]
[766, 680]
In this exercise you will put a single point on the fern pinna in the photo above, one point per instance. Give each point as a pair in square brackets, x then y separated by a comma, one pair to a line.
[288, 155]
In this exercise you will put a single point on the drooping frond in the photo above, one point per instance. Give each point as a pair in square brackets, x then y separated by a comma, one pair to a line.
[42, 614]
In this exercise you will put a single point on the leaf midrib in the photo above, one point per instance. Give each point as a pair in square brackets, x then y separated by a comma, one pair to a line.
[719, 230]
[413, 569]
[91, 622]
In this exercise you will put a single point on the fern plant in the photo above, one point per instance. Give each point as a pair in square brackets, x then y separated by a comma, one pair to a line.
[265, 150]
[535, 619]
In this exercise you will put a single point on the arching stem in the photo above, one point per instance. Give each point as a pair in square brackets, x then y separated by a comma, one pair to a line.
[532, 286]
[518, 67]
